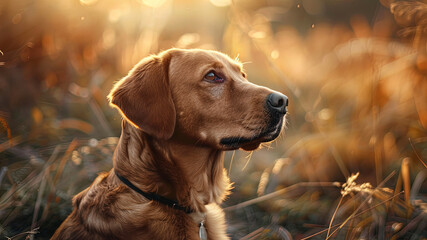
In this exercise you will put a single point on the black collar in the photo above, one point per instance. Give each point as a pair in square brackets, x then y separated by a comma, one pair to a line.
[155, 197]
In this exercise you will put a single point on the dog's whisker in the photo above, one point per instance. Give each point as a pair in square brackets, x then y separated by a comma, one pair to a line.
[249, 156]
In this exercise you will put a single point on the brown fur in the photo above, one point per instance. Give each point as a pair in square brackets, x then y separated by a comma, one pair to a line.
[170, 145]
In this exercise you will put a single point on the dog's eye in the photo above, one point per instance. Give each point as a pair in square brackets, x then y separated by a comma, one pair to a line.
[213, 77]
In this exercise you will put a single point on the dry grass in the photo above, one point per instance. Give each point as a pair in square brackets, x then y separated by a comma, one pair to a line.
[351, 165]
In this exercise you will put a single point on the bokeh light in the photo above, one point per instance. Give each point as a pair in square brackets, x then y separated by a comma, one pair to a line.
[153, 3]
[88, 2]
[221, 3]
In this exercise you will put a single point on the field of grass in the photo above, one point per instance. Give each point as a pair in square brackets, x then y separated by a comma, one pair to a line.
[351, 163]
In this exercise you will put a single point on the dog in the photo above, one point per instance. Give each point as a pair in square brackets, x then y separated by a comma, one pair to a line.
[181, 110]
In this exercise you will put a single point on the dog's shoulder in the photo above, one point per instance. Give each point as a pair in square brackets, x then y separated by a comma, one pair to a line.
[95, 210]
[100, 197]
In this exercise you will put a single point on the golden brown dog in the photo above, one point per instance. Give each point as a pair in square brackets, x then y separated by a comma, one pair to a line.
[182, 109]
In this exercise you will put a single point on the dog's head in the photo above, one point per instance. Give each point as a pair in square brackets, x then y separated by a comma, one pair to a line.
[199, 96]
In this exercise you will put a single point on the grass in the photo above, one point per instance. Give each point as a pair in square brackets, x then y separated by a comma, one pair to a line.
[350, 165]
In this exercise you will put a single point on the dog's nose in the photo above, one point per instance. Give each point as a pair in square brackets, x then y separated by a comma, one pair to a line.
[277, 102]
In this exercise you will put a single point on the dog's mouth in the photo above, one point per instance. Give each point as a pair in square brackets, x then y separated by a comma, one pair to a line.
[252, 143]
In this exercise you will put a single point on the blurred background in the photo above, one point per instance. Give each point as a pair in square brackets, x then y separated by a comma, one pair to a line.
[350, 165]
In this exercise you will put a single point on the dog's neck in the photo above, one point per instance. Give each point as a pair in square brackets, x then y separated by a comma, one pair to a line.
[192, 175]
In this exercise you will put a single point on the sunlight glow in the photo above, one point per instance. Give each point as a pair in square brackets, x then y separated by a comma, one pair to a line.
[188, 39]
[88, 2]
[221, 3]
[153, 3]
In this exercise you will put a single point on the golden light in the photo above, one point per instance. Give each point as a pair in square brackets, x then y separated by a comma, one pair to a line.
[188, 39]
[275, 54]
[88, 2]
[325, 114]
[114, 15]
[257, 34]
[153, 3]
[108, 38]
[221, 3]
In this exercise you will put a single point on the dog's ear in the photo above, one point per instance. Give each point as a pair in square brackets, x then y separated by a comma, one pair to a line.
[144, 97]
